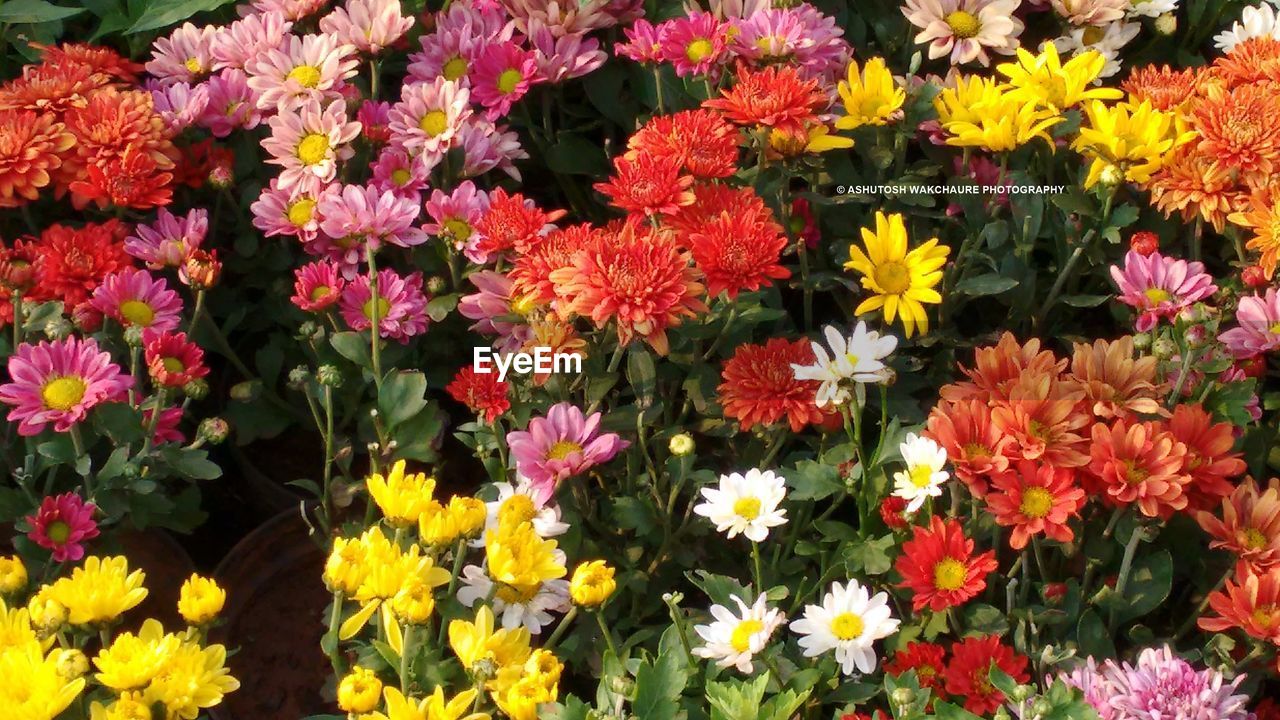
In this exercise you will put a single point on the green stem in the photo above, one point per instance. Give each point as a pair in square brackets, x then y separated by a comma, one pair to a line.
[756, 567]
[17, 320]
[608, 636]
[404, 658]
[335, 619]
[564, 624]
[657, 83]
[1203, 604]
[375, 329]
[1126, 565]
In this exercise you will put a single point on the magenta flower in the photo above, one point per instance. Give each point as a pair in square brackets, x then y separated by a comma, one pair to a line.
[696, 45]
[179, 105]
[398, 172]
[643, 45]
[1160, 287]
[60, 382]
[502, 75]
[232, 104]
[61, 524]
[561, 445]
[167, 430]
[317, 286]
[133, 297]
[454, 216]
[375, 118]
[1259, 326]
[401, 306]
[486, 146]
[279, 211]
[168, 241]
[565, 57]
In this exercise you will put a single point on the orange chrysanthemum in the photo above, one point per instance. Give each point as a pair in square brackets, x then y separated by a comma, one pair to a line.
[1113, 382]
[1191, 185]
[70, 263]
[760, 388]
[1209, 460]
[1042, 416]
[1263, 217]
[1138, 463]
[649, 184]
[555, 335]
[1035, 499]
[51, 87]
[131, 180]
[637, 278]
[701, 142]
[1256, 60]
[97, 58]
[512, 222]
[531, 276]
[997, 369]
[940, 568]
[975, 446]
[738, 252]
[712, 199]
[31, 145]
[1238, 129]
[1250, 525]
[775, 97]
[1163, 87]
[109, 123]
[1250, 602]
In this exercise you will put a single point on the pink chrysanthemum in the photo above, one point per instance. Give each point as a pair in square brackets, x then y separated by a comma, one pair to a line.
[166, 425]
[428, 116]
[1258, 331]
[1160, 287]
[283, 212]
[172, 360]
[311, 68]
[186, 55]
[696, 45]
[179, 105]
[317, 286]
[643, 45]
[133, 297]
[375, 121]
[504, 72]
[60, 382]
[488, 308]
[401, 173]
[291, 9]
[454, 216]
[308, 144]
[167, 241]
[826, 53]
[486, 146]
[366, 216]
[247, 38]
[449, 53]
[564, 57]
[371, 25]
[62, 524]
[965, 30]
[401, 306]
[1162, 685]
[561, 445]
[232, 104]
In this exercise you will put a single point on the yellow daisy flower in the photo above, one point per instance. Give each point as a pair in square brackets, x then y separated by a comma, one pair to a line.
[100, 591]
[901, 282]
[1002, 122]
[592, 584]
[1132, 139]
[1046, 80]
[30, 684]
[401, 497]
[870, 97]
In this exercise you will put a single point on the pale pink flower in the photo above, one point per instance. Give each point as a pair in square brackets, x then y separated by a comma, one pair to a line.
[502, 75]
[428, 116]
[278, 211]
[643, 45]
[179, 105]
[371, 25]
[400, 306]
[248, 37]
[133, 297]
[1098, 13]
[308, 68]
[1160, 287]
[801, 35]
[290, 9]
[486, 146]
[308, 144]
[489, 306]
[695, 45]
[454, 216]
[563, 444]
[563, 17]
[167, 241]
[185, 55]
[232, 104]
[965, 29]
[369, 216]
[1259, 326]
[564, 57]
[397, 171]
[59, 382]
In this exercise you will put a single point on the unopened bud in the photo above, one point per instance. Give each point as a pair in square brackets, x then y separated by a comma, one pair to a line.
[1196, 336]
[1163, 348]
[213, 430]
[246, 391]
[72, 664]
[1167, 24]
[903, 697]
[329, 376]
[681, 445]
[133, 335]
[1111, 176]
[221, 177]
[1142, 341]
[57, 328]
[436, 285]
[201, 270]
[196, 389]
[299, 376]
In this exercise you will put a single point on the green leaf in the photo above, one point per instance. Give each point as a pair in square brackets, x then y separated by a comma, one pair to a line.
[16, 12]
[120, 422]
[575, 155]
[193, 464]
[658, 687]
[164, 13]
[1085, 301]
[1092, 636]
[988, 284]
[439, 307]
[1149, 584]
[352, 346]
[870, 556]
[813, 481]
[947, 711]
[403, 395]
[985, 619]
[642, 375]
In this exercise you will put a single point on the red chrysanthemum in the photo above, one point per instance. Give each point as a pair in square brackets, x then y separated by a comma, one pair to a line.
[1255, 60]
[71, 262]
[1209, 460]
[62, 524]
[531, 276]
[968, 675]
[1035, 499]
[975, 447]
[172, 360]
[760, 388]
[1138, 463]
[482, 393]
[110, 122]
[927, 659]
[710, 201]
[647, 184]
[940, 568]
[638, 278]
[775, 97]
[131, 179]
[96, 57]
[738, 252]
[699, 140]
[1250, 602]
[512, 223]
[31, 146]
[51, 88]
[893, 512]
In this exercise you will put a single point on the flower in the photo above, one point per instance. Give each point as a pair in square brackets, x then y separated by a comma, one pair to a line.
[592, 584]
[401, 497]
[965, 29]
[31, 147]
[563, 444]
[482, 392]
[134, 298]
[527, 569]
[1045, 79]
[924, 475]
[746, 504]
[939, 566]
[733, 640]
[370, 25]
[1258, 331]
[59, 382]
[870, 96]
[454, 215]
[1209, 460]
[1249, 527]
[502, 74]
[1262, 217]
[968, 674]
[61, 524]
[901, 281]
[252, 35]
[737, 252]
[361, 218]
[13, 575]
[520, 502]
[131, 662]
[1237, 132]
[1160, 287]
[926, 659]
[359, 691]
[317, 286]
[1000, 121]
[511, 222]
[856, 359]
[1134, 139]
[99, 591]
[168, 241]
[1112, 381]
[848, 621]
[172, 360]
[31, 685]
[70, 263]
[775, 97]
[1194, 185]
[696, 44]
[308, 144]
[1099, 13]
[1250, 602]
[200, 600]
[428, 116]
[1138, 462]
[975, 447]
[1163, 685]
[491, 308]
[759, 386]
[300, 71]
[400, 307]
[1035, 499]
[643, 44]
[651, 184]
[232, 104]
[292, 211]
[184, 56]
[704, 145]
[1255, 21]
[1164, 87]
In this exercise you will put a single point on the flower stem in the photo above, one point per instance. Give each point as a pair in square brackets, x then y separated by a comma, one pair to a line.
[756, 566]
[608, 636]
[565, 622]
[1204, 603]
[375, 328]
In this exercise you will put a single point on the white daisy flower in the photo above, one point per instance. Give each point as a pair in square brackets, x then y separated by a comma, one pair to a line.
[736, 639]
[848, 621]
[1106, 41]
[1151, 8]
[857, 359]
[1255, 21]
[746, 504]
[924, 475]
[518, 498]
[514, 609]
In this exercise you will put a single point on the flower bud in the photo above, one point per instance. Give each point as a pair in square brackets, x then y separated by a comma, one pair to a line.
[213, 430]
[87, 318]
[329, 376]
[246, 391]
[903, 697]
[299, 376]
[221, 177]
[13, 575]
[200, 600]
[1254, 277]
[436, 285]
[1144, 242]
[1142, 341]
[1166, 24]
[681, 445]
[1041, 707]
[1196, 336]
[72, 664]
[196, 389]
[1111, 176]
[360, 691]
[47, 615]
[57, 328]
[1164, 348]
[133, 336]
[592, 584]
[201, 270]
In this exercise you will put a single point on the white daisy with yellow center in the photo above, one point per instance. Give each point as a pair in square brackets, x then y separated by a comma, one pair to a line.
[850, 362]
[923, 477]
[734, 639]
[745, 504]
[849, 620]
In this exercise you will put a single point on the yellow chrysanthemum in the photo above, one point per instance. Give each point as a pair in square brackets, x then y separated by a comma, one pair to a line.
[401, 497]
[31, 688]
[46, 615]
[592, 584]
[519, 559]
[433, 707]
[100, 591]
[955, 104]
[1132, 139]
[870, 97]
[13, 575]
[521, 700]
[15, 626]
[477, 644]
[130, 706]
[200, 600]
[901, 282]
[389, 569]
[346, 566]
[463, 517]
[1002, 122]
[195, 678]
[359, 691]
[1044, 79]
[131, 661]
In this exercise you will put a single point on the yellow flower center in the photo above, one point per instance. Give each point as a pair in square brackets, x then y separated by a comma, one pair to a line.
[63, 393]
[949, 574]
[1253, 539]
[563, 449]
[436, 122]
[455, 68]
[383, 307]
[313, 148]
[964, 24]
[460, 229]
[300, 211]
[1036, 502]
[698, 50]
[1274, 329]
[1092, 35]
[58, 531]
[193, 65]
[517, 595]
[847, 626]
[853, 359]
[921, 475]
[741, 638]
[977, 450]
[1157, 295]
[308, 76]
[747, 508]
[137, 312]
[400, 176]
[508, 81]
[173, 365]
[893, 277]
[1267, 616]
[1134, 474]
[517, 509]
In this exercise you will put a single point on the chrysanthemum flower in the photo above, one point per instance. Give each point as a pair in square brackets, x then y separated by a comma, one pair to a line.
[531, 275]
[901, 282]
[522, 563]
[185, 55]
[308, 144]
[233, 105]
[512, 223]
[760, 388]
[637, 278]
[482, 393]
[968, 674]
[1114, 383]
[1001, 122]
[51, 88]
[1138, 463]
[280, 211]
[1099, 13]
[236, 44]
[704, 144]
[31, 146]
[1035, 500]
[533, 607]
[775, 97]
[520, 502]
[454, 215]
[62, 524]
[486, 146]
[647, 184]
[1134, 140]
[1258, 321]
[923, 475]
[563, 444]
[365, 216]
[997, 369]
[131, 180]
[1160, 287]
[1163, 685]
[733, 640]
[940, 568]
[1237, 129]
[98, 58]
[697, 44]
[1255, 21]
[491, 308]
[1262, 216]
[370, 25]
[172, 360]
[1044, 419]
[643, 44]
[965, 29]
[849, 620]
[304, 70]
[503, 73]
[167, 241]
[60, 382]
[180, 105]
[738, 253]
[133, 297]
[1045, 79]
[317, 286]
[1250, 525]
[401, 306]
[1210, 462]
[452, 50]
[1165, 88]
[1256, 60]
[854, 360]
[428, 116]
[70, 263]
[927, 659]
[1192, 185]
[109, 122]
[974, 445]
[291, 9]
[563, 57]
[870, 96]
[401, 496]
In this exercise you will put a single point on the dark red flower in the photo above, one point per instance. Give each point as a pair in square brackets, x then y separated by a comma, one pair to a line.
[892, 511]
[132, 180]
[647, 184]
[1144, 242]
[927, 659]
[511, 223]
[939, 566]
[968, 675]
[738, 252]
[71, 262]
[61, 524]
[760, 388]
[699, 140]
[483, 393]
[1254, 277]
